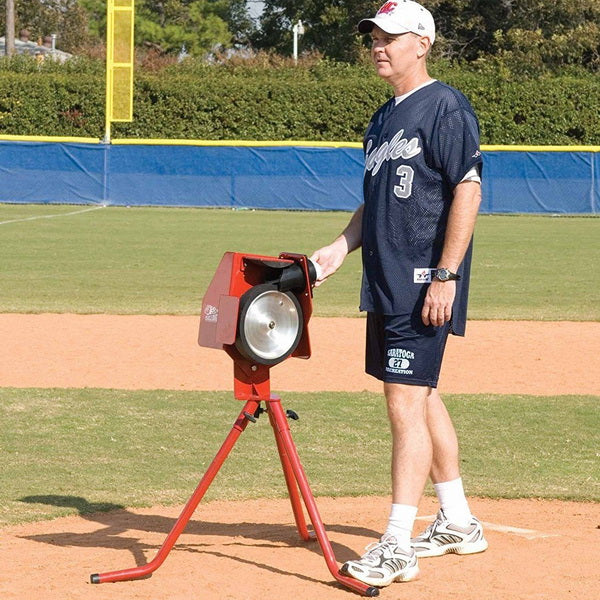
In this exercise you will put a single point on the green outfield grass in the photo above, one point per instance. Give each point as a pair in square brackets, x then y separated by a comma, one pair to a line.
[68, 451]
[160, 260]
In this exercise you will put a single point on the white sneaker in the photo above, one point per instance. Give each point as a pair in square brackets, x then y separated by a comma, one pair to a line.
[383, 563]
[443, 537]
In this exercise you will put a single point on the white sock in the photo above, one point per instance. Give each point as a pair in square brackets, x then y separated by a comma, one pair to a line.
[453, 501]
[400, 524]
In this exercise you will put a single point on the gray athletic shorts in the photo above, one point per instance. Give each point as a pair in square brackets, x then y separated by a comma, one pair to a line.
[402, 350]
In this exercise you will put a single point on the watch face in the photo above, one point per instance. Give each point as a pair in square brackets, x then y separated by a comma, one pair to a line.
[443, 274]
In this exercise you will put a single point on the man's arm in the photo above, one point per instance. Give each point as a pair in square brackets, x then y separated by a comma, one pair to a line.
[332, 256]
[437, 308]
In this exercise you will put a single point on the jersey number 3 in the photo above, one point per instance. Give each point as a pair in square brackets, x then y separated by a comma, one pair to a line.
[404, 187]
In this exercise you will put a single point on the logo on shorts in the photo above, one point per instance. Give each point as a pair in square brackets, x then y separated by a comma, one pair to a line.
[211, 313]
[399, 361]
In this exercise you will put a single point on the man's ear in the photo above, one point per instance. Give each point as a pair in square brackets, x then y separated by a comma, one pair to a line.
[424, 46]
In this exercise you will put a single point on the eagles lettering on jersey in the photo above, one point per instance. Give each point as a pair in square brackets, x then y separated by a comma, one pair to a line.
[416, 152]
[398, 147]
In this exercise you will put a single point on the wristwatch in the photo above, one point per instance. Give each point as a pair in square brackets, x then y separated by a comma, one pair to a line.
[445, 275]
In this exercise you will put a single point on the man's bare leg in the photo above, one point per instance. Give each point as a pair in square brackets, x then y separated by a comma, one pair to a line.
[445, 469]
[412, 448]
[411, 455]
[445, 465]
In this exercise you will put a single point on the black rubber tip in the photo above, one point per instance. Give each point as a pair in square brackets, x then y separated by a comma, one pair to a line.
[95, 578]
[372, 592]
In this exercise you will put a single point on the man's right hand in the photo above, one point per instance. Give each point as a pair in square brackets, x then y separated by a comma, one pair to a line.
[330, 258]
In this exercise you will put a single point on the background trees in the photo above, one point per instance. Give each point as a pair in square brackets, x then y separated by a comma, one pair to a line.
[548, 33]
[165, 25]
[522, 35]
[41, 18]
[170, 25]
[545, 33]
[330, 26]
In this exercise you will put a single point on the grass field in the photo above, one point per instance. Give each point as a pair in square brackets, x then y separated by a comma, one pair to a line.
[160, 260]
[69, 451]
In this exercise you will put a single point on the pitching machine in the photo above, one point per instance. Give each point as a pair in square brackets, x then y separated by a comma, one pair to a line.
[257, 309]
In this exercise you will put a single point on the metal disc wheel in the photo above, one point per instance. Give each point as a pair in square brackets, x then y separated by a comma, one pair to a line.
[270, 324]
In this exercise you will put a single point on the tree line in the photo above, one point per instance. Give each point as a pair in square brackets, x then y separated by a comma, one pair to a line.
[523, 35]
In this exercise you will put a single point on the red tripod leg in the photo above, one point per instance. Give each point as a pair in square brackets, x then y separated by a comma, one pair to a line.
[137, 572]
[290, 481]
[288, 446]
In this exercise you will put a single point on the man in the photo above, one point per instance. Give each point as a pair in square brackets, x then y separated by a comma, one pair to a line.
[421, 197]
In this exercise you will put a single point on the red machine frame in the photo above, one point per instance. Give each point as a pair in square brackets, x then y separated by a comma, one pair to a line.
[236, 274]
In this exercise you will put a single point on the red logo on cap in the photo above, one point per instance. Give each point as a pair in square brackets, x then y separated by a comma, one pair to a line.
[387, 8]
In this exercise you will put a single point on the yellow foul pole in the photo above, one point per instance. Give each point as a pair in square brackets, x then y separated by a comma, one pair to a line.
[119, 63]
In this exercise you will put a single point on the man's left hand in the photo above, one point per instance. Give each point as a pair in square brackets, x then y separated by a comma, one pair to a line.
[437, 308]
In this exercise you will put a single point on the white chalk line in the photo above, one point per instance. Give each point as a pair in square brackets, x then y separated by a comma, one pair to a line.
[75, 212]
[529, 534]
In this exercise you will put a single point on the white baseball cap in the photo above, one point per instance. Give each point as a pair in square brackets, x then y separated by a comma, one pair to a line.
[401, 16]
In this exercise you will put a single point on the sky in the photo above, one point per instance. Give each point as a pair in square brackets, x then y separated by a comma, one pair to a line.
[255, 7]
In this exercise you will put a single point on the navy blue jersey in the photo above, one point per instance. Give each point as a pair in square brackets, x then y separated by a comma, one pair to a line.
[416, 152]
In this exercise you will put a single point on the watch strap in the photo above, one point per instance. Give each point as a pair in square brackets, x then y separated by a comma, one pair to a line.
[451, 276]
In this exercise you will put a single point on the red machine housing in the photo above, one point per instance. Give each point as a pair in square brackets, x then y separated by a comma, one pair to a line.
[236, 274]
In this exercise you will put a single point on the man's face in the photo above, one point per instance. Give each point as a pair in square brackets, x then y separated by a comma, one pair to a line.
[395, 55]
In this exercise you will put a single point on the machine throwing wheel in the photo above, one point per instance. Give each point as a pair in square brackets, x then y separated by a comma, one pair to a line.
[270, 324]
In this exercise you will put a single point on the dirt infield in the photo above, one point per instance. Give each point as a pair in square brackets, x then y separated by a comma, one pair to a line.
[138, 352]
[539, 550]
[251, 551]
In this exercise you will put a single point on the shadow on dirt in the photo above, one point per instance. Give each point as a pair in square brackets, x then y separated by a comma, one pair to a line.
[118, 527]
